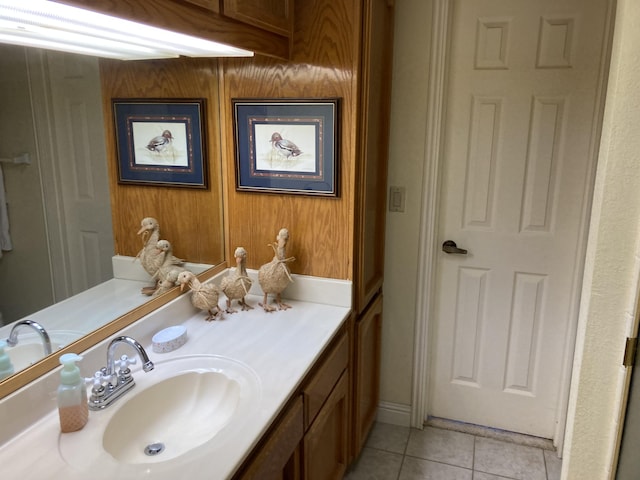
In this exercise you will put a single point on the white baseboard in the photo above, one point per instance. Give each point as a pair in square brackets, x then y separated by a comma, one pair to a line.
[394, 413]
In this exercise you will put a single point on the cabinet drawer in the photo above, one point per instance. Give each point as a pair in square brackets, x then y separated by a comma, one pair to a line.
[322, 382]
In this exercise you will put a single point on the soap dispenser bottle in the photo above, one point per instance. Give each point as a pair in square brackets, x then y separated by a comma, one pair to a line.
[6, 367]
[72, 395]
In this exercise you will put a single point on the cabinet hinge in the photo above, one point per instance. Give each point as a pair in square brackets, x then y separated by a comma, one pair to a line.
[630, 352]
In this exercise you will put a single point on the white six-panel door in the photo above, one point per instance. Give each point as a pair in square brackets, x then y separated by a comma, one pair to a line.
[81, 164]
[521, 116]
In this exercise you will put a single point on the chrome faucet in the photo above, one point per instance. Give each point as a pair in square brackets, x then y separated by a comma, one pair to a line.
[12, 341]
[109, 385]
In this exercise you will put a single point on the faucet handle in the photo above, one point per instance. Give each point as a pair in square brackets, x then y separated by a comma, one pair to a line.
[124, 372]
[125, 361]
[99, 379]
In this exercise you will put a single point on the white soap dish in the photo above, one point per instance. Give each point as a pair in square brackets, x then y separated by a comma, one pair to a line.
[169, 339]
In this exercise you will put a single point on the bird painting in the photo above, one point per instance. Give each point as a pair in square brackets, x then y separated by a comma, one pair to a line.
[161, 142]
[284, 147]
[237, 284]
[275, 276]
[204, 296]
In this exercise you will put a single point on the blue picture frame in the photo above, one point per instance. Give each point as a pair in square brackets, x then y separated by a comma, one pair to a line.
[287, 146]
[161, 142]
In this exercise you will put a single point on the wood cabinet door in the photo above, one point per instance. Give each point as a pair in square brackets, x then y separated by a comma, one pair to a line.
[373, 139]
[368, 331]
[273, 15]
[276, 458]
[326, 442]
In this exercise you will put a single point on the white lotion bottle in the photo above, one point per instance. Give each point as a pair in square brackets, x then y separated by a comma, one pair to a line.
[72, 395]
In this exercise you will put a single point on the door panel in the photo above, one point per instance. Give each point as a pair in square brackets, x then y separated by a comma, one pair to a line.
[521, 113]
[81, 167]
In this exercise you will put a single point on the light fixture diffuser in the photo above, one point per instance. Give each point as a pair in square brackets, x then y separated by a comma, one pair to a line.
[54, 26]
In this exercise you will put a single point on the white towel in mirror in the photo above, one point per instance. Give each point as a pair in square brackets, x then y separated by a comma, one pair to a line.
[5, 237]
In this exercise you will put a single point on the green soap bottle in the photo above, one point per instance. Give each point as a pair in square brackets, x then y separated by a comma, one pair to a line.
[6, 367]
[72, 395]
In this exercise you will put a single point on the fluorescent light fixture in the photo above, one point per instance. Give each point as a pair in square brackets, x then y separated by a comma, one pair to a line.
[54, 26]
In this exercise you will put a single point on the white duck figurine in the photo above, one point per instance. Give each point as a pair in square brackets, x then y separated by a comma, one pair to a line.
[275, 276]
[204, 296]
[237, 284]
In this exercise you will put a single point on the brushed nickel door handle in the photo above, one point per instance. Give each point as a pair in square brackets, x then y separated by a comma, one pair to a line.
[449, 246]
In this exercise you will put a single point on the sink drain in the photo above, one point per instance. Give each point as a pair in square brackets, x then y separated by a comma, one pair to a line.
[154, 449]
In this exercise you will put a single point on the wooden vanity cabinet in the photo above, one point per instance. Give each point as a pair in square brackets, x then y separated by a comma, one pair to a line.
[310, 438]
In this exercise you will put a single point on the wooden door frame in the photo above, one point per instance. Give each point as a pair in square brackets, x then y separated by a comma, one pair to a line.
[428, 246]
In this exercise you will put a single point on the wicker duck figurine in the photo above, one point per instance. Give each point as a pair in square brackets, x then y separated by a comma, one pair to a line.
[204, 296]
[275, 276]
[165, 285]
[169, 261]
[150, 257]
[237, 284]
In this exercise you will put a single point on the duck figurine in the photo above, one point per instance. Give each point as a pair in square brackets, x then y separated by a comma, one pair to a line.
[150, 257]
[275, 276]
[161, 142]
[284, 147]
[169, 261]
[237, 284]
[169, 280]
[204, 296]
[164, 286]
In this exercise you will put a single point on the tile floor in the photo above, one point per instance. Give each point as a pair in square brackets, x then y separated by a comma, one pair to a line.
[402, 453]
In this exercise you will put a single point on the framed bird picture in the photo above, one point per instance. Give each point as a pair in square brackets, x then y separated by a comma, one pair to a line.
[287, 145]
[161, 142]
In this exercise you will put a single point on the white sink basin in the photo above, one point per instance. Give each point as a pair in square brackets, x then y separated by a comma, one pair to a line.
[186, 406]
[30, 348]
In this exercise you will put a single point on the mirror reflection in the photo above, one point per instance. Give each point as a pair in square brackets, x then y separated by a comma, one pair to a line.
[58, 218]
[58, 268]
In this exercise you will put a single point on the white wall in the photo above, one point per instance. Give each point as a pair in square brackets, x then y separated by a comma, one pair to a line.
[406, 157]
[613, 261]
[25, 283]
[612, 267]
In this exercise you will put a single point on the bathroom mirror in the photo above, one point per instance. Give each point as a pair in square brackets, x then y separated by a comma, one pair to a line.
[59, 204]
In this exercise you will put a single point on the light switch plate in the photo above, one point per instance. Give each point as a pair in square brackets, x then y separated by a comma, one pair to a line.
[396, 199]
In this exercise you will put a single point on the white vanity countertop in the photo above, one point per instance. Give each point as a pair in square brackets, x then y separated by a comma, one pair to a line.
[279, 347]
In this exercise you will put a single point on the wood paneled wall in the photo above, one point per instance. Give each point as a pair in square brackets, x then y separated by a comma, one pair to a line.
[190, 219]
[324, 64]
